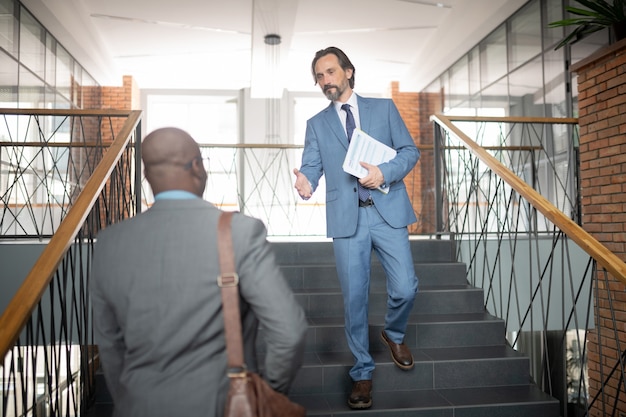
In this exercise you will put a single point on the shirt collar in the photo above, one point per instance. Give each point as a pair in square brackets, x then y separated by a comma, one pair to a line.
[175, 195]
[352, 101]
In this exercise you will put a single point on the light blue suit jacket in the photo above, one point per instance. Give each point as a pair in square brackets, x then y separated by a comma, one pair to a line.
[325, 148]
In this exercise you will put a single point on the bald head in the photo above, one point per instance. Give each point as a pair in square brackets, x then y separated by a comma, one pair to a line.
[172, 161]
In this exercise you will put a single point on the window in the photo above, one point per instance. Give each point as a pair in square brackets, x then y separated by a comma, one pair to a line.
[207, 118]
[525, 35]
[32, 44]
[8, 26]
[493, 57]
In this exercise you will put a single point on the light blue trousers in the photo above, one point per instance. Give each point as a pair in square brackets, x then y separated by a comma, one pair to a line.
[353, 258]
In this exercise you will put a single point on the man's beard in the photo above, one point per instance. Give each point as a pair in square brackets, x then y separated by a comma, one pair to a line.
[332, 95]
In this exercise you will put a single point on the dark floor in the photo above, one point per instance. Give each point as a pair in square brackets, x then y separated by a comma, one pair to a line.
[100, 410]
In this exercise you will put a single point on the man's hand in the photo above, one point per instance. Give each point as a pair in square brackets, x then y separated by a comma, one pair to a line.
[374, 177]
[302, 185]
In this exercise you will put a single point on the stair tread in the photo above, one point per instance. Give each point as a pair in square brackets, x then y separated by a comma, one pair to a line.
[374, 289]
[382, 357]
[502, 397]
[413, 319]
[331, 263]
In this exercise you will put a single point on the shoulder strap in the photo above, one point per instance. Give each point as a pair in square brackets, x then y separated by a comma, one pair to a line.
[228, 280]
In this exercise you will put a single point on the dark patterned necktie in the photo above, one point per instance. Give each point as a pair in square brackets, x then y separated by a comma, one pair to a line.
[364, 193]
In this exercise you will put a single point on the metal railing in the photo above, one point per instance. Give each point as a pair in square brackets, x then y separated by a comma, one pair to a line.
[46, 157]
[66, 175]
[258, 180]
[524, 247]
[42, 172]
[510, 196]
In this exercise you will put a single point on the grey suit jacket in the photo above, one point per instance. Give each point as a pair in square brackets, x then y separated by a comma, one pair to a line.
[325, 148]
[157, 310]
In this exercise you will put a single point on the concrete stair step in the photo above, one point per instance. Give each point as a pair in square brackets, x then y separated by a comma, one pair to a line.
[321, 252]
[441, 299]
[506, 401]
[434, 369]
[305, 277]
[326, 334]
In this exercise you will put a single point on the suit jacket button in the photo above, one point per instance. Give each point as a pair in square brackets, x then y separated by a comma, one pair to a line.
[354, 189]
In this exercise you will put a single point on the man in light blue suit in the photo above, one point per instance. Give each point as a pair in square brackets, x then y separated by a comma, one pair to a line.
[361, 218]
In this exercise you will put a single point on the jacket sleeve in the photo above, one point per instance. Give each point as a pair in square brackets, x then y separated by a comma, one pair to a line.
[401, 140]
[107, 331]
[270, 298]
[311, 157]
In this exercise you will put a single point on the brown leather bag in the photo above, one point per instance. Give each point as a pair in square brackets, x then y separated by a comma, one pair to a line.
[249, 394]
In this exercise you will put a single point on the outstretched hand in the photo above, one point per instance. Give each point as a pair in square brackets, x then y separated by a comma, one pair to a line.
[303, 186]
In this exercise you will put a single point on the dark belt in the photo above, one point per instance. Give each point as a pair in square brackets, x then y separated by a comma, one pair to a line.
[366, 203]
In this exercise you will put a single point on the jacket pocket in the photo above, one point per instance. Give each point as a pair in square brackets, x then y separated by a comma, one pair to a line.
[331, 194]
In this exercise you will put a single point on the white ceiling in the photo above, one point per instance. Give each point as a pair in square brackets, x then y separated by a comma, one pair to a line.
[209, 44]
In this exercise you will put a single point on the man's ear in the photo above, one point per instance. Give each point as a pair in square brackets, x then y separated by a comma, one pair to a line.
[199, 172]
[199, 176]
[349, 73]
[197, 168]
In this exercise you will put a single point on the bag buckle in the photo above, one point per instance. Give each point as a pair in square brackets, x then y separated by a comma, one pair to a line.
[229, 279]
[238, 372]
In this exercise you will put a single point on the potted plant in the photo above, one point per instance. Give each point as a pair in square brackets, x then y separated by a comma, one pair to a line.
[600, 14]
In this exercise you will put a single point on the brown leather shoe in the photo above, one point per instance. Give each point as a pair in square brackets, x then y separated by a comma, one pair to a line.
[400, 353]
[361, 395]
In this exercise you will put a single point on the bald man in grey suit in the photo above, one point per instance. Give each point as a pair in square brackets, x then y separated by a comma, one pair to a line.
[157, 306]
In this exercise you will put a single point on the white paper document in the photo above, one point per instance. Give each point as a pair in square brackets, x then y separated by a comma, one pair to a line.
[364, 148]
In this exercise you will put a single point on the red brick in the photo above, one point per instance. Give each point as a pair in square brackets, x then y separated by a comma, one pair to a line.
[596, 71]
[610, 189]
[607, 75]
[617, 159]
[619, 218]
[612, 227]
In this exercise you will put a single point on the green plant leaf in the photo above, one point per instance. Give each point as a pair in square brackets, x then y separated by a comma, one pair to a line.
[583, 12]
[599, 14]
[599, 6]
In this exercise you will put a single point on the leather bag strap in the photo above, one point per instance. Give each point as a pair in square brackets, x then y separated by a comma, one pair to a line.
[228, 280]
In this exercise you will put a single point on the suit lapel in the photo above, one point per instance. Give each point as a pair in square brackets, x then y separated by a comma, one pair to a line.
[334, 124]
[364, 113]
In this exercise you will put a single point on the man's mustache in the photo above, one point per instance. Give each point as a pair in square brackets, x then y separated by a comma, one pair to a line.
[328, 87]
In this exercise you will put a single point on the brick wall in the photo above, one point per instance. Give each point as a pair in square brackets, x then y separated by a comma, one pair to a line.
[416, 109]
[602, 121]
[125, 97]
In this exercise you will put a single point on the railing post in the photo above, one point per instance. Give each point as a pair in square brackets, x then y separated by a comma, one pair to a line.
[138, 173]
[438, 181]
[576, 183]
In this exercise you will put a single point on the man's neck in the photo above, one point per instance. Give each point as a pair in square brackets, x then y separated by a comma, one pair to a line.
[345, 97]
[175, 195]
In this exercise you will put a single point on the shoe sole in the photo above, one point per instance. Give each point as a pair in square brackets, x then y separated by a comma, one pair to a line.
[359, 406]
[398, 364]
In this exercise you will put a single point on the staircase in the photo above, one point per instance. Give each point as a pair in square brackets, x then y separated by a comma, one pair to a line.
[463, 365]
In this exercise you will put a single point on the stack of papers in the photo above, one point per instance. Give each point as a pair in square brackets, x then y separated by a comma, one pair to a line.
[364, 148]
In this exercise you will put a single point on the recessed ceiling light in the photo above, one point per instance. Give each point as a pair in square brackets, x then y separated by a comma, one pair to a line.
[428, 3]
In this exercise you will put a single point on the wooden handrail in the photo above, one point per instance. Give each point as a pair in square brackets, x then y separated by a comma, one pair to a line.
[29, 293]
[520, 119]
[50, 144]
[588, 243]
[66, 113]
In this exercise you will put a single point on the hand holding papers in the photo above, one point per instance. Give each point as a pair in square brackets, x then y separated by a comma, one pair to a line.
[364, 148]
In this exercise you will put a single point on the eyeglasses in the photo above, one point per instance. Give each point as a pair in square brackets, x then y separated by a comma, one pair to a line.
[199, 158]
